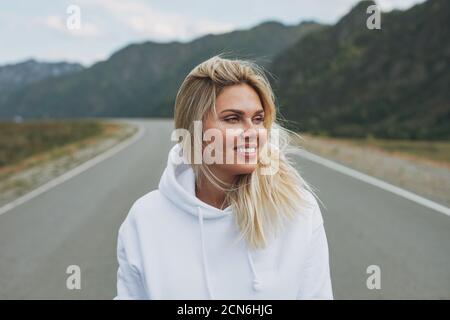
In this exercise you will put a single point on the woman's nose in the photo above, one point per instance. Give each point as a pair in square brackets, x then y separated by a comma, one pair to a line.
[249, 130]
[248, 125]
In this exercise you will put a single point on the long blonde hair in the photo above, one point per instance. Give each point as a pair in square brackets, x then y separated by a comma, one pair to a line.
[261, 203]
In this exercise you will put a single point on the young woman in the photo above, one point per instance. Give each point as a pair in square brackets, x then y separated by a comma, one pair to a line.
[248, 229]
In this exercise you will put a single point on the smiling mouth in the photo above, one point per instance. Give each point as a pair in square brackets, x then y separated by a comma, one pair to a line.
[246, 149]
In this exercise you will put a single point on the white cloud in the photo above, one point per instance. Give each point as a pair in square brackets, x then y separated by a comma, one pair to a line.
[147, 22]
[57, 23]
[388, 5]
[54, 22]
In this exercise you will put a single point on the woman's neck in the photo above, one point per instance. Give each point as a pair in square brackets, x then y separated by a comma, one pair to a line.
[211, 194]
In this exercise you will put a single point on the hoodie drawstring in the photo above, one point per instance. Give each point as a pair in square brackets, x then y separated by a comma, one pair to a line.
[205, 265]
[256, 282]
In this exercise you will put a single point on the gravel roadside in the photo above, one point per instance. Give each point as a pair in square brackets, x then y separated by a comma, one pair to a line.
[49, 165]
[428, 179]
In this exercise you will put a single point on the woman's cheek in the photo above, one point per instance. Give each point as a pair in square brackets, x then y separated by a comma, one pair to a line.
[262, 138]
[228, 145]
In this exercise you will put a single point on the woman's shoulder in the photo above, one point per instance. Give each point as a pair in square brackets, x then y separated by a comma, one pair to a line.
[143, 208]
[306, 223]
[310, 214]
[150, 200]
[315, 212]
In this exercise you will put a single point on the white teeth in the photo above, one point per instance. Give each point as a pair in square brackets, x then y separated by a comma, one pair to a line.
[247, 150]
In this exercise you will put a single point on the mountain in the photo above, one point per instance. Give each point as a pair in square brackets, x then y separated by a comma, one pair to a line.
[142, 79]
[347, 80]
[19, 75]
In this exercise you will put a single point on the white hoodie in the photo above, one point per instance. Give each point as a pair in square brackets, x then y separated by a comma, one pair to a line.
[174, 246]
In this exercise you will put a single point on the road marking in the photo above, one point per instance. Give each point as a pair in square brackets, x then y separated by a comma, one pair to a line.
[73, 172]
[376, 182]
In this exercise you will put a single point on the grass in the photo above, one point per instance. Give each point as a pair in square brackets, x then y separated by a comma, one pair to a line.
[35, 152]
[22, 141]
[435, 151]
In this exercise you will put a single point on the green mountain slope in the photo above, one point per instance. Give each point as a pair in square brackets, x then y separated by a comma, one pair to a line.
[347, 80]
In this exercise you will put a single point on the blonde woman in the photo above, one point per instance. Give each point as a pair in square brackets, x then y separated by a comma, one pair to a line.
[249, 229]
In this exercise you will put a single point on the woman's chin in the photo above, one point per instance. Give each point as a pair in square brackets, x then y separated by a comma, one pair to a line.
[243, 168]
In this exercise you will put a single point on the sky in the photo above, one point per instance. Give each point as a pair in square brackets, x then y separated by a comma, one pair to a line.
[39, 29]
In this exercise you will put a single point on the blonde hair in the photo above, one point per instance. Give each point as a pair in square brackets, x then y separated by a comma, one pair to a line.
[261, 203]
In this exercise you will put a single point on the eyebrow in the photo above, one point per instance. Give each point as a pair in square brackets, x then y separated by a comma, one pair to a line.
[242, 112]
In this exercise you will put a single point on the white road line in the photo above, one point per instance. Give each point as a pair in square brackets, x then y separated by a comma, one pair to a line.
[72, 173]
[376, 182]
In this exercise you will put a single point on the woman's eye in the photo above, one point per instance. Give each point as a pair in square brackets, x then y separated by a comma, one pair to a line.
[231, 120]
[259, 119]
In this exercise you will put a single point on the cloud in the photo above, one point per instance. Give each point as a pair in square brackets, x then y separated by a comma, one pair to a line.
[59, 24]
[147, 22]
[388, 5]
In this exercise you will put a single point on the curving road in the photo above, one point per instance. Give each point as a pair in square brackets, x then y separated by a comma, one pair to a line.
[76, 223]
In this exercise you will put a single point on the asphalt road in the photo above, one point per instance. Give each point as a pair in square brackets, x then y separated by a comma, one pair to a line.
[76, 223]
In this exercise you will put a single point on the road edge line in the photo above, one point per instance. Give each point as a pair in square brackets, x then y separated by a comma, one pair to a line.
[74, 171]
[375, 182]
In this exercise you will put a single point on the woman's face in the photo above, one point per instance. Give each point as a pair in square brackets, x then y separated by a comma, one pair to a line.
[240, 122]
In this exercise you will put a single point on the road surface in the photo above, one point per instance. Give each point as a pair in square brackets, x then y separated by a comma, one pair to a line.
[76, 223]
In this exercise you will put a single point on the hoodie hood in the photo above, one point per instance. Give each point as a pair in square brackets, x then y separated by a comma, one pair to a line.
[178, 185]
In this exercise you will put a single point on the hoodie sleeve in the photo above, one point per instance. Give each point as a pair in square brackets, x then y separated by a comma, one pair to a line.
[316, 281]
[129, 282]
